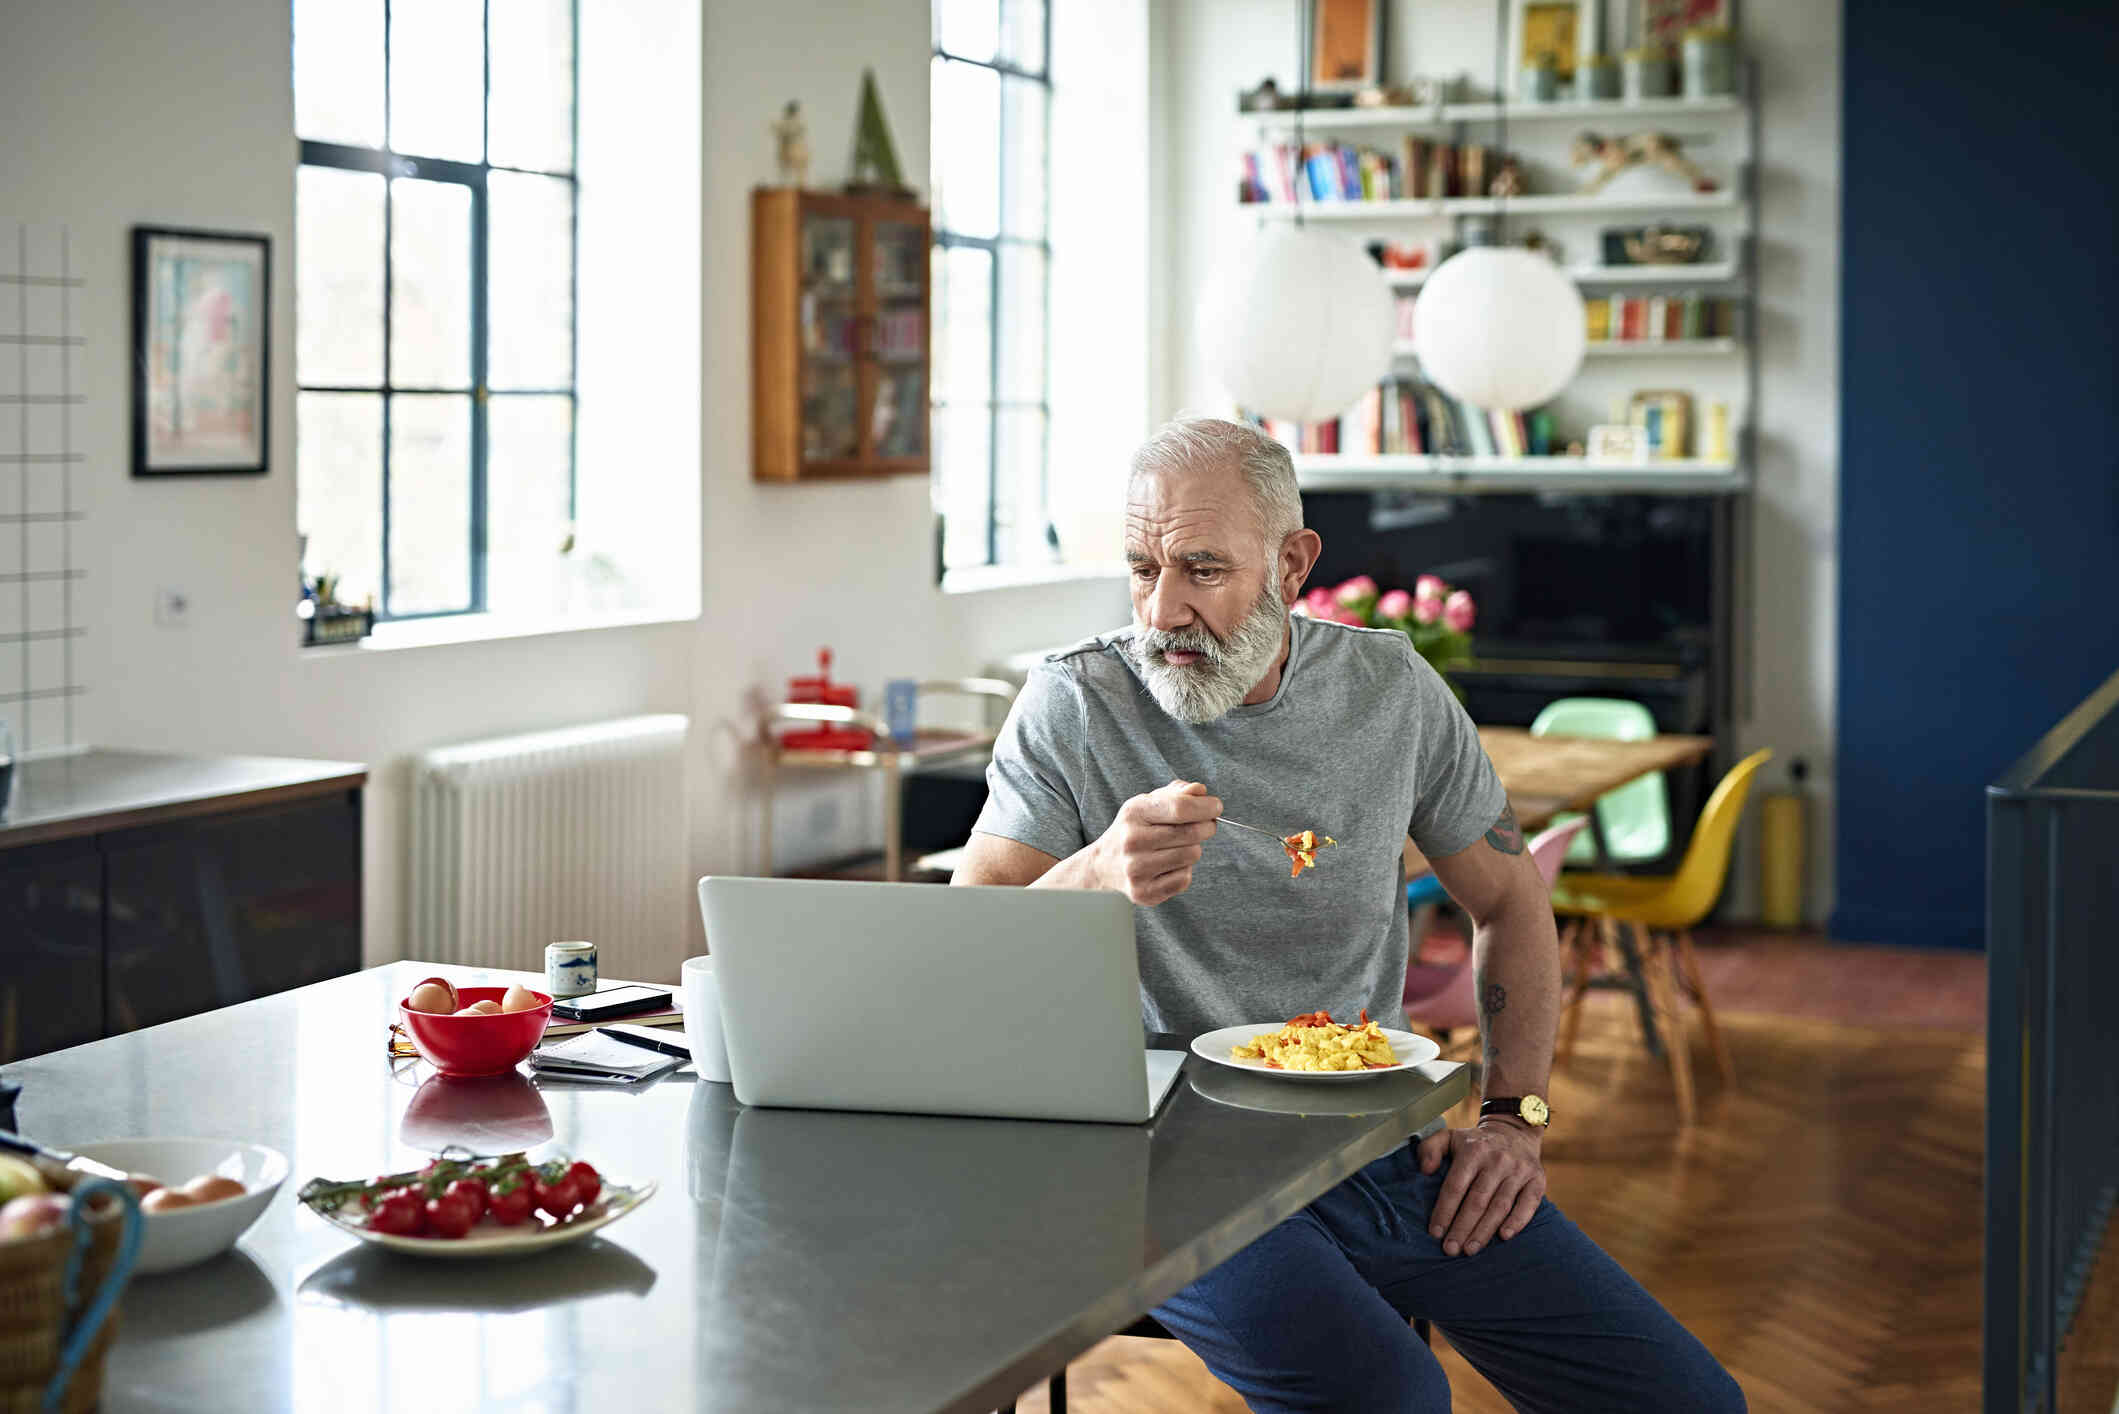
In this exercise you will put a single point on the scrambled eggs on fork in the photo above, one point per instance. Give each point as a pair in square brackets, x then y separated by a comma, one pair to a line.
[1314, 1041]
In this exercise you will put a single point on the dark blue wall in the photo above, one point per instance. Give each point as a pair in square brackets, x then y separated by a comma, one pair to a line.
[1979, 481]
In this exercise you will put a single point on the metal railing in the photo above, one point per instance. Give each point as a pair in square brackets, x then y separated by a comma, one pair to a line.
[2052, 1151]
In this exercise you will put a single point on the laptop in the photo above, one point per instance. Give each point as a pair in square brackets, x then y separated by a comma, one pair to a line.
[931, 999]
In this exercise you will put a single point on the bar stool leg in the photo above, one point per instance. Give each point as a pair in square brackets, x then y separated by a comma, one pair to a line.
[1058, 1393]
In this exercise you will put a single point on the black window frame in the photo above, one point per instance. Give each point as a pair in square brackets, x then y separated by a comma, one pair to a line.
[391, 165]
[946, 239]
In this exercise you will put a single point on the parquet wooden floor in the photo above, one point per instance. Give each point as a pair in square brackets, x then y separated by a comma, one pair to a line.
[1819, 1228]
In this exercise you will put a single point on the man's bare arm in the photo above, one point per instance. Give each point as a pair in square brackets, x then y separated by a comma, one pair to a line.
[1496, 1179]
[1515, 954]
[1147, 854]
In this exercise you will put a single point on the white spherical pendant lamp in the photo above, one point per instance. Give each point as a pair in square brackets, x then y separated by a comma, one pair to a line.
[1298, 324]
[1499, 328]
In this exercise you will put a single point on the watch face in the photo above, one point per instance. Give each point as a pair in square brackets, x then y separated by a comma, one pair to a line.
[1534, 1110]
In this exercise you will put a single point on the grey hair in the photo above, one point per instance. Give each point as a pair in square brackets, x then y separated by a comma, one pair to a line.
[1268, 471]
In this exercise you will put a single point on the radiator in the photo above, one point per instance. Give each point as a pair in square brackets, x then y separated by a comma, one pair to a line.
[579, 833]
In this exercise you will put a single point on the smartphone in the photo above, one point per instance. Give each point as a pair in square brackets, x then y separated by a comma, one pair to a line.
[619, 1001]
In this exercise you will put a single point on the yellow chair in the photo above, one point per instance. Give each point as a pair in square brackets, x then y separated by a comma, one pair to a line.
[1662, 910]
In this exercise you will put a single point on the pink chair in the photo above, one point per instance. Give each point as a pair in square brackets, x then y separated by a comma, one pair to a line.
[1450, 1004]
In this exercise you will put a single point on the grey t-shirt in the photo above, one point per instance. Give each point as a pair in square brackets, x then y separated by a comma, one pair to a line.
[1363, 742]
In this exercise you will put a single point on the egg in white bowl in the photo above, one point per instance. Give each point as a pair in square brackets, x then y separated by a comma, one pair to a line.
[183, 1236]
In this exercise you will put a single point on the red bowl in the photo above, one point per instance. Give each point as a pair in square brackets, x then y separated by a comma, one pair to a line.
[477, 1045]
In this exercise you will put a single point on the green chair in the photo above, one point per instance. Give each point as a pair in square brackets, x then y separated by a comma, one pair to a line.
[1635, 818]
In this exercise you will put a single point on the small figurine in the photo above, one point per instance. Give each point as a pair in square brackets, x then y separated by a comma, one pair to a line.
[1508, 181]
[1614, 155]
[1265, 98]
[792, 135]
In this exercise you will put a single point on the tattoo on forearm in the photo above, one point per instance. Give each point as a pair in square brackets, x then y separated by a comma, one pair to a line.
[1494, 998]
[1506, 835]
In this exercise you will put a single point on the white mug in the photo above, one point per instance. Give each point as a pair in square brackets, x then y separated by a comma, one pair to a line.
[702, 1020]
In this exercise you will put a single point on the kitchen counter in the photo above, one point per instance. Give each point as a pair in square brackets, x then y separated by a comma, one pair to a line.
[64, 797]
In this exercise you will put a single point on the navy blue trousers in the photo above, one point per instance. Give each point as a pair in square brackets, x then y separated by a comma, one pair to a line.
[1314, 1315]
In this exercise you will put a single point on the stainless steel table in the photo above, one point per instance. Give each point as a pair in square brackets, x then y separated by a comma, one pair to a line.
[794, 1259]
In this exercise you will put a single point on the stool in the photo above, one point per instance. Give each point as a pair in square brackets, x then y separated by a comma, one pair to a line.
[1149, 1328]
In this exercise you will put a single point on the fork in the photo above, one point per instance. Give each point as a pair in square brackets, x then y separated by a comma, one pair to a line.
[1280, 840]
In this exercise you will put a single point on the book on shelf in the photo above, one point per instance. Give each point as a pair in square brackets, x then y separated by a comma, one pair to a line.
[1410, 417]
[1671, 318]
[1333, 171]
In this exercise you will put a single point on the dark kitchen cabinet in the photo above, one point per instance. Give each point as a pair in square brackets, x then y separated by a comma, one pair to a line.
[51, 959]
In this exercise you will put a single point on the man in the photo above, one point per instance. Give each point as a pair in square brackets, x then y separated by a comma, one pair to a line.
[1296, 723]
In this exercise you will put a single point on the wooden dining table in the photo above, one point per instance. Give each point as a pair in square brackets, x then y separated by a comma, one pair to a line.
[1547, 775]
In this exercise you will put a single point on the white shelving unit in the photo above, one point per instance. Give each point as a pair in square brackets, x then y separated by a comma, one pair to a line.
[1624, 348]
[1706, 272]
[1675, 476]
[1721, 134]
[1440, 208]
[1449, 114]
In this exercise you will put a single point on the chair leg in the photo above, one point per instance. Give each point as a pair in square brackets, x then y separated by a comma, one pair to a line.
[1689, 968]
[1423, 1330]
[1578, 991]
[1058, 1392]
[1671, 1021]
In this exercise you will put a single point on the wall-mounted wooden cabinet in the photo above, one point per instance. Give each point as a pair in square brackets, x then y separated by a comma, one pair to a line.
[839, 335]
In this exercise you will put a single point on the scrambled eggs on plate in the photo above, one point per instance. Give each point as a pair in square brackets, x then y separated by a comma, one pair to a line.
[1316, 1042]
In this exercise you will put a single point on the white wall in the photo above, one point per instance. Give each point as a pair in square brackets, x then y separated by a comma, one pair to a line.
[123, 113]
[1208, 50]
[800, 566]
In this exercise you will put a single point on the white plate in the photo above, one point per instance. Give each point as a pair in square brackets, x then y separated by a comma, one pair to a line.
[1215, 1046]
[538, 1233]
[184, 1237]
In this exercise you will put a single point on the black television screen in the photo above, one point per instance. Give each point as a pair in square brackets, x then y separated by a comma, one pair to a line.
[1625, 575]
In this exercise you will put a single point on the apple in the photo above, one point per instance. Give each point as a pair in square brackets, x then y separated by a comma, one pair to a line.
[33, 1213]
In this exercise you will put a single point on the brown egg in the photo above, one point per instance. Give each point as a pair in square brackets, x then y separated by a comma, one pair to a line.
[212, 1188]
[435, 997]
[520, 998]
[167, 1200]
[142, 1184]
[485, 1008]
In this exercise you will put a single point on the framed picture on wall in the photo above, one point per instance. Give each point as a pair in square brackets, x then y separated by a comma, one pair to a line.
[1346, 50]
[1556, 32]
[201, 335]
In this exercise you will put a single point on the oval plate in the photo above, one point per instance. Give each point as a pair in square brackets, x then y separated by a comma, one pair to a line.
[490, 1239]
[1215, 1046]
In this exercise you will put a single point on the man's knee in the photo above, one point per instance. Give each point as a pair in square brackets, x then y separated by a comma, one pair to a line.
[1398, 1375]
[1717, 1391]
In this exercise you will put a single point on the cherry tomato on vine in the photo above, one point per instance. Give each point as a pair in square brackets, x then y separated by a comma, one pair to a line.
[587, 1182]
[473, 1192]
[449, 1216]
[399, 1215]
[510, 1203]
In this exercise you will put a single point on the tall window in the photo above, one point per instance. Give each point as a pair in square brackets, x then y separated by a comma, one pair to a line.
[992, 105]
[434, 317]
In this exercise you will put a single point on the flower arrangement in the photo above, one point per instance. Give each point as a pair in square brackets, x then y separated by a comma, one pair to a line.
[1437, 617]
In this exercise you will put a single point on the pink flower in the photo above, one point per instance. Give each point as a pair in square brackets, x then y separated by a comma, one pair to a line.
[1426, 611]
[1348, 616]
[1318, 603]
[1394, 605]
[1356, 589]
[1429, 586]
[1458, 611]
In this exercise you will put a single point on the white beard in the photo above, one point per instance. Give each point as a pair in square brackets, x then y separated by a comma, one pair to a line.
[1227, 668]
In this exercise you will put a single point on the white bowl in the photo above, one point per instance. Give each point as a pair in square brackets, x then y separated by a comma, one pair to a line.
[188, 1236]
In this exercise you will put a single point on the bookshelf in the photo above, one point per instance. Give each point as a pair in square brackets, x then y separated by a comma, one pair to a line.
[1720, 134]
[1706, 272]
[1439, 208]
[1688, 476]
[1437, 117]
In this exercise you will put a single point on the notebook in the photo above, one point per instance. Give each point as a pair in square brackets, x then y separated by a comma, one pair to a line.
[594, 1054]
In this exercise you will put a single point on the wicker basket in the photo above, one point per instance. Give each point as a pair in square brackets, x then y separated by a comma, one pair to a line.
[35, 1322]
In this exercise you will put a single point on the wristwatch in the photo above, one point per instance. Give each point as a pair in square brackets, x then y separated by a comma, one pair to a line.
[1531, 1109]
